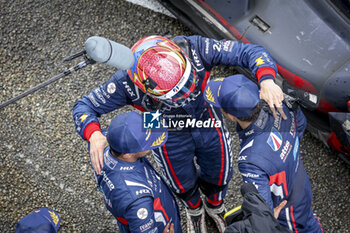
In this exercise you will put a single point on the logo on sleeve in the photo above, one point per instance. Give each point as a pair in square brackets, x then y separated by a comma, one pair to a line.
[126, 168]
[128, 88]
[83, 117]
[142, 213]
[198, 65]
[99, 95]
[111, 88]
[93, 100]
[228, 45]
[147, 226]
[259, 61]
[275, 140]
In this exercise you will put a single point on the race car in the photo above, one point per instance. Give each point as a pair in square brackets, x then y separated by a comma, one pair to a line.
[309, 40]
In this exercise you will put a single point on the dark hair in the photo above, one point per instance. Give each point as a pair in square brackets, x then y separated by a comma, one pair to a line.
[115, 153]
[252, 117]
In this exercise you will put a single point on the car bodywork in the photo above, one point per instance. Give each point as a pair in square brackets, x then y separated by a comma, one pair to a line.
[310, 41]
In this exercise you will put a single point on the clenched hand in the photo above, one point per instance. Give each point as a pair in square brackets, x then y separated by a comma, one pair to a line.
[98, 143]
[273, 95]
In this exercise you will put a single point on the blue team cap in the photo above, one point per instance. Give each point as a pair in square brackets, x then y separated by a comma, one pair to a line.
[42, 220]
[126, 134]
[236, 95]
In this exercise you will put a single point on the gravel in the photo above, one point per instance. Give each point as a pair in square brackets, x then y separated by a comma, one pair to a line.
[44, 163]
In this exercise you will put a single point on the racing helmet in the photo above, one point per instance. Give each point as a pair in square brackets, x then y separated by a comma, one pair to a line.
[162, 70]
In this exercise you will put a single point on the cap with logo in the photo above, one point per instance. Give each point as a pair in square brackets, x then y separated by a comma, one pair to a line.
[236, 95]
[126, 134]
[42, 220]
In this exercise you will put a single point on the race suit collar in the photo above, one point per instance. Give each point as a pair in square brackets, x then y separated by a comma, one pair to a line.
[256, 127]
[110, 159]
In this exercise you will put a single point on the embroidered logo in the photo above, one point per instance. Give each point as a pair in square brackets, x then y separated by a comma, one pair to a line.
[275, 140]
[209, 95]
[159, 140]
[83, 117]
[259, 61]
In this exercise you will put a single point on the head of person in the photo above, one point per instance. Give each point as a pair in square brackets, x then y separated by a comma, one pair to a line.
[236, 95]
[127, 137]
[162, 70]
[42, 220]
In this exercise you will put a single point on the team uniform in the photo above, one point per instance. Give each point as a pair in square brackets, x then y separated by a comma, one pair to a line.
[210, 146]
[270, 159]
[137, 196]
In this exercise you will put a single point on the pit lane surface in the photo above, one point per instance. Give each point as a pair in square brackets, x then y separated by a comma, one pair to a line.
[44, 163]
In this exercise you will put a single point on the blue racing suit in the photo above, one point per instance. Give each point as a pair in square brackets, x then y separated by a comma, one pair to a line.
[270, 159]
[210, 146]
[137, 196]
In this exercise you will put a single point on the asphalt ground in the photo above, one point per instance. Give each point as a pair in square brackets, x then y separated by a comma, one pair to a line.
[44, 163]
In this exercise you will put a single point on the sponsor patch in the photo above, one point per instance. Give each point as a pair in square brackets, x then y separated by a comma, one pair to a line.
[111, 163]
[147, 226]
[250, 175]
[259, 61]
[142, 191]
[275, 140]
[286, 150]
[109, 183]
[228, 45]
[267, 59]
[93, 100]
[111, 88]
[99, 95]
[198, 65]
[83, 117]
[206, 45]
[142, 213]
[262, 119]
[249, 132]
[126, 168]
[296, 148]
[292, 126]
[128, 88]
[105, 94]
[278, 121]
[159, 217]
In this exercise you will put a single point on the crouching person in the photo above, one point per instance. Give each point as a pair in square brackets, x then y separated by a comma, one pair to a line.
[134, 192]
[254, 215]
[270, 155]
